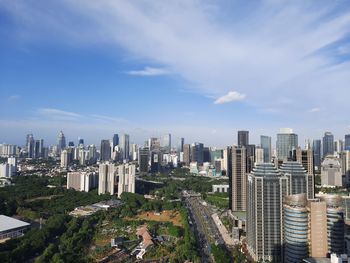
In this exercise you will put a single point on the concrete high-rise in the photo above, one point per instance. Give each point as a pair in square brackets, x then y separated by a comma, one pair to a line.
[64, 159]
[265, 143]
[82, 181]
[124, 146]
[126, 178]
[287, 141]
[266, 190]
[239, 179]
[106, 178]
[242, 138]
[306, 158]
[187, 154]
[331, 172]
[328, 144]
[105, 150]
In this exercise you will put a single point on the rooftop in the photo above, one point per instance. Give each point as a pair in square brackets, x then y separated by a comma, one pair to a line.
[8, 223]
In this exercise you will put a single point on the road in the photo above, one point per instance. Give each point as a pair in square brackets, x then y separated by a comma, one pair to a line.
[206, 231]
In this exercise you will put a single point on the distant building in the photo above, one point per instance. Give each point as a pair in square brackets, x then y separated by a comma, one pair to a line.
[143, 160]
[180, 146]
[187, 154]
[265, 143]
[242, 138]
[105, 151]
[61, 142]
[126, 174]
[328, 144]
[331, 172]
[106, 179]
[197, 153]
[316, 146]
[82, 181]
[347, 142]
[287, 141]
[11, 228]
[220, 188]
[166, 143]
[124, 146]
[9, 169]
[115, 141]
[64, 159]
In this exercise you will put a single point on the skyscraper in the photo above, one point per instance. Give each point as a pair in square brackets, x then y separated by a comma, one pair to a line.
[243, 138]
[239, 179]
[265, 142]
[166, 142]
[287, 141]
[180, 146]
[126, 175]
[300, 182]
[316, 146]
[105, 150]
[124, 146]
[61, 142]
[197, 153]
[143, 160]
[30, 145]
[115, 141]
[328, 144]
[347, 142]
[266, 191]
[187, 154]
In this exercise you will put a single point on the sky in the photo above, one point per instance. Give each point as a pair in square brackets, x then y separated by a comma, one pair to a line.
[196, 69]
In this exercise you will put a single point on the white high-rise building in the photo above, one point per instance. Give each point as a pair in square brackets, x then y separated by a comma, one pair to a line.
[259, 155]
[126, 174]
[82, 181]
[106, 178]
[64, 159]
[9, 169]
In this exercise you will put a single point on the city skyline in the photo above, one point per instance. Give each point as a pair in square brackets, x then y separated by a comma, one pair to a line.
[202, 74]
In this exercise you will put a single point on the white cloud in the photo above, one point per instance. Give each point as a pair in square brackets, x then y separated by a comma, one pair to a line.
[229, 97]
[315, 110]
[149, 71]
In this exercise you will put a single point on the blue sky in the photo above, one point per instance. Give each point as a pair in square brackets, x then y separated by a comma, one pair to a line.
[195, 69]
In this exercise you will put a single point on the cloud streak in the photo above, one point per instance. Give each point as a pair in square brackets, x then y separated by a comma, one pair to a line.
[230, 97]
[149, 71]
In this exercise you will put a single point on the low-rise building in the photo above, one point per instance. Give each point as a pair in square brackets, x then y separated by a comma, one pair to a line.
[11, 228]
